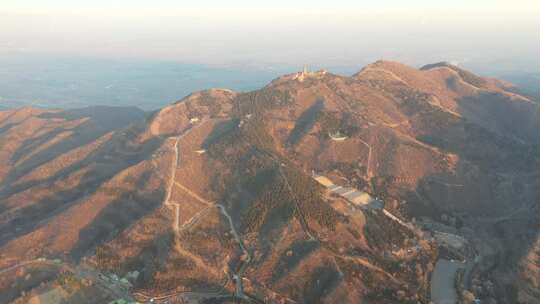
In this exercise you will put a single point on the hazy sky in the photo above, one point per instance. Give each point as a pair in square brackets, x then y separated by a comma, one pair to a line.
[281, 7]
[337, 32]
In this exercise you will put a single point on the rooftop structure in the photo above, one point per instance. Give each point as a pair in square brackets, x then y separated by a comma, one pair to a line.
[353, 195]
[337, 136]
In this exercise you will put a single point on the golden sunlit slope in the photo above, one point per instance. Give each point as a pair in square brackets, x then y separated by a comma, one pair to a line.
[214, 194]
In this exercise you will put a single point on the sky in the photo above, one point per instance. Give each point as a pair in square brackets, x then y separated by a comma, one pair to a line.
[232, 7]
[478, 33]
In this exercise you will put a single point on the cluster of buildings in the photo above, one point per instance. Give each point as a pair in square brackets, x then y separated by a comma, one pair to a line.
[353, 195]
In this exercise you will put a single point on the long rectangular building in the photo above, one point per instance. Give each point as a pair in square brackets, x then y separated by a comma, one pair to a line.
[355, 196]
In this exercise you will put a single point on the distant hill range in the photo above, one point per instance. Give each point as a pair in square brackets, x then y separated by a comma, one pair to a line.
[214, 196]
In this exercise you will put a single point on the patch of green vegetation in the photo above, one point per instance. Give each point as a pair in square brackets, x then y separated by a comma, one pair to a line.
[248, 151]
[306, 121]
[292, 256]
[329, 122]
[211, 103]
[69, 281]
[254, 132]
[262, 174]
[272, 198]
[322, 281]
[475, 143]
[353, 172]
[384, 295]
[353, 271]
[220, 130]
[257, 102]
[332, 122]
[192, 110]
[231, 141]
[107, 259]
[235, 142]
[308, 197]
[121, 301]
[381, 233]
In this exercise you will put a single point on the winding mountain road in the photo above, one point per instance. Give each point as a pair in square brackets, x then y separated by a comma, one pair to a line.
[170, 184]
[238, 276]
[172, 178]
[30, 262]
[368, 169]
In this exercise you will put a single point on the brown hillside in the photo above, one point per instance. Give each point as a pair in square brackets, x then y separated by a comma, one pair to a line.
[214, 195]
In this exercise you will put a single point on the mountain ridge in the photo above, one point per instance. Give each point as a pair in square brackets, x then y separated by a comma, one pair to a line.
[240, 198]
